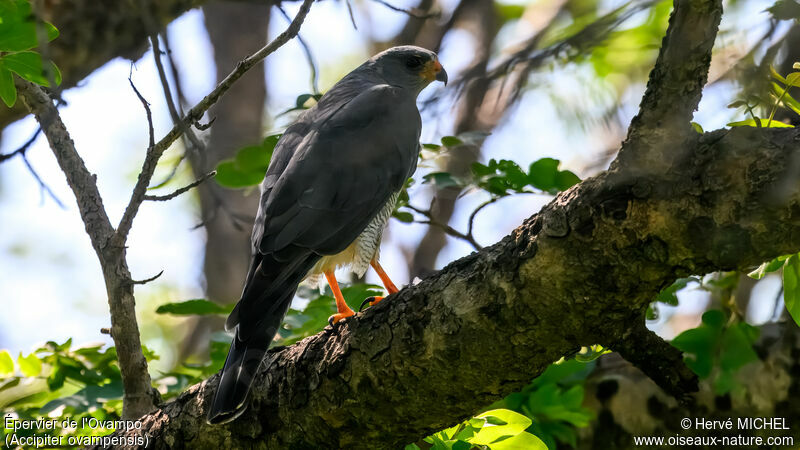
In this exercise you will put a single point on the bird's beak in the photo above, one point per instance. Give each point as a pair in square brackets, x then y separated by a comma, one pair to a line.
[441, 74]
[434, 71]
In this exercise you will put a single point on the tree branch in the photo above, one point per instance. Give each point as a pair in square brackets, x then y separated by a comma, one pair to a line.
[675, 86]
[195, 183]
[138, 396]
[195, 114]
[572, 275]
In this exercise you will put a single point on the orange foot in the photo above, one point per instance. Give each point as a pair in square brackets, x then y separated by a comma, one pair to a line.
[342, 309]
[371, 301]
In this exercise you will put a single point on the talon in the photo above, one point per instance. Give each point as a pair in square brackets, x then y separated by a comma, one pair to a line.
[336, 318]
[371, 301]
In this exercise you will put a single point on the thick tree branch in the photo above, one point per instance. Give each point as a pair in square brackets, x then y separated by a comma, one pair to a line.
[572, 275]
[675, 86]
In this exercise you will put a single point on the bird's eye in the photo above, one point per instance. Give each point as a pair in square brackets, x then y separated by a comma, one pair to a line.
[414, 62]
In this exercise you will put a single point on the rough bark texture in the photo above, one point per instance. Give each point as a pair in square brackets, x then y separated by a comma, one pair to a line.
[579, 272]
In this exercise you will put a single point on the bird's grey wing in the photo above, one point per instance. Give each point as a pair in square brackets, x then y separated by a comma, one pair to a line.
[339, 177]
[344, 173]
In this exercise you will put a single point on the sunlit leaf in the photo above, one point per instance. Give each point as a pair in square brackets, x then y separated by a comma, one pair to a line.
[791, 287]
[30, 365]
[6, 363]
[194, 307]
[29, 66]
[768, 267]
[763, 122]
[8, 92]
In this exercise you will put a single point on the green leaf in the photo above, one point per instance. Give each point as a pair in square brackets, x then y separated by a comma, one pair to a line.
[194, 307]
[768, 267]
[793, 79]
[451, 141]
[6, 363]
[30, 365]
[565, 179]
[270, 142]
[431, 146]
[29, 66]
[522, 441]
[542, 173]
[8, 92]
[699, 129]
[403, 216]
[230, 176]
[740, 103]
[254, 158]
[19, 27]
[737, 346]
[507, 12]
[513, 423]
[669, 295]
[441, 180]
[791, 287]
[763, 122]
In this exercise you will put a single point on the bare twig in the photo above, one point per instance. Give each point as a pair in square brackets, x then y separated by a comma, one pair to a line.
[195, 183]
[477, 210]
[148, 113]
[411, 13]
[45, 189]
[312, 64]
[173, 110]
[350, 12]
[23, 148]
[195, 114]
[147, 280]
[468, 237]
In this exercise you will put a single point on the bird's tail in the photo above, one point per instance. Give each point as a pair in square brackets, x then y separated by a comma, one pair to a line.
[241, 365]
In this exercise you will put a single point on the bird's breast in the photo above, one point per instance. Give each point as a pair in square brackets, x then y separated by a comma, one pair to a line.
[363, 249]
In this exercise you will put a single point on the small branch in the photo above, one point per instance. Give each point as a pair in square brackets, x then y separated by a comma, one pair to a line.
[146, 106]
[195, 183]
[445, 227]
[173, 110]
[309, 55]
[147, 280]
[477, 210]
[196, 113]
[204, 127]
[659, 360]
[45, 189]
[350, 12]
[23, 148]
[409, 12]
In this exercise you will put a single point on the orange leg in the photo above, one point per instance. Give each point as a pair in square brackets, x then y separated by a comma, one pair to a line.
[342, 309]
[387, 283]
[384, 278]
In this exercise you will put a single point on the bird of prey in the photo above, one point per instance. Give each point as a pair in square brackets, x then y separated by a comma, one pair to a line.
[330, 188]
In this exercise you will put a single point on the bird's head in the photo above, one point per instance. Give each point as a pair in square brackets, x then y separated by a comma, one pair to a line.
[409, 66]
